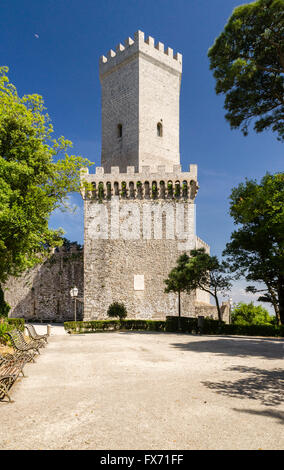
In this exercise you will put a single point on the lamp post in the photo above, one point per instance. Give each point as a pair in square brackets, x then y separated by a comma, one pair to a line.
[231, 306]
[74, 293]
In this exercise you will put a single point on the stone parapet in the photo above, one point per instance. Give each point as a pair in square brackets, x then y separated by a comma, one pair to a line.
[201, 244]
[147, 183]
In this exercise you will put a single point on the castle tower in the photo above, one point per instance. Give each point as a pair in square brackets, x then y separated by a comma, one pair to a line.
[139, 211]
[140, 105]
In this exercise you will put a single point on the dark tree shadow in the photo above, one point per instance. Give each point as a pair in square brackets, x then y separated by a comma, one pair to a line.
[240, 347]
[265, 386]
[279, 415]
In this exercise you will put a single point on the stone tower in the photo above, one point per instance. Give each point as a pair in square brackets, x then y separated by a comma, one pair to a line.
[139, 206]
[140, 105]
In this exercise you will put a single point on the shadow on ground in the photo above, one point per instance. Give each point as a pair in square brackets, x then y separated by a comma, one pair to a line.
[265, 386]
[241, 347]
[278, 415]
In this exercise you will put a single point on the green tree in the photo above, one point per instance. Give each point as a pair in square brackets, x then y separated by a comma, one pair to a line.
[248, 63]
[208, 274]
[177, 280]
[199, 271]
[4, 307]
[250, 314]
[36, 175]
[117, 309]
[256, 249]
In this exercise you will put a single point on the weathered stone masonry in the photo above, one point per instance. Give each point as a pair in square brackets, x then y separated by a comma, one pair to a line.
[117, 251]
[43, 293]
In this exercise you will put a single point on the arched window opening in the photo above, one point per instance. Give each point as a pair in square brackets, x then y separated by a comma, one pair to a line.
[177, 189]
[131, 190]
[94, 190]
[139, 189]
[162, 189]
[116, 188]
[119, 130]
[108, 186]
[170, 189]
[101, 190]
[184, 189]
[147, 189]
[123, 189]
[154, 190]
[159, 130]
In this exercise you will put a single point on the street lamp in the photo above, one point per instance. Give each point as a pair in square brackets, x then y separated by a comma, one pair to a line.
[74, 293]
[231, 306]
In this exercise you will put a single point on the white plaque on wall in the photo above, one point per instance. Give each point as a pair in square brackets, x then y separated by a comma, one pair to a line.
[138, 281]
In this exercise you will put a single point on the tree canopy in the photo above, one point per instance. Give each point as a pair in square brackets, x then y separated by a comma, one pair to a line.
[256, 249]
[36, 175]
[199, 271]
[250, 314]
[248, 63]
[207, 273]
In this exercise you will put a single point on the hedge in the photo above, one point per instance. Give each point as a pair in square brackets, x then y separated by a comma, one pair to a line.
[148, 325]
[187, 325]
[253, 330]
[111, 325]
[91, 326]
[18, 323]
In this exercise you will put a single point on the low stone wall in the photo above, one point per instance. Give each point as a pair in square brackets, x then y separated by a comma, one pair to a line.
[43, 293]
[205, 310]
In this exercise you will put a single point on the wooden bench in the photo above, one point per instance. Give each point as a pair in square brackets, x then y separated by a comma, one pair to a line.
[11, 365]
[34, 335]
[10, 368]
[19, 344]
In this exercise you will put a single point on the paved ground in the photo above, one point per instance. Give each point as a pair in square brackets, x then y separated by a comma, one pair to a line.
[148, 391]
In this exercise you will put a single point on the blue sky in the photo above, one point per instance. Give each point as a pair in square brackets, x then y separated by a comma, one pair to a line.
[62, 65]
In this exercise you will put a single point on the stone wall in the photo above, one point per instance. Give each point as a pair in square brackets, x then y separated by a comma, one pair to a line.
[136, 225]
[210, 311]
[43, 293]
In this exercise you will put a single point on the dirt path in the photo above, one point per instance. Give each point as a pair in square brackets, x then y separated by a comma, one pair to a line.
[149, 391]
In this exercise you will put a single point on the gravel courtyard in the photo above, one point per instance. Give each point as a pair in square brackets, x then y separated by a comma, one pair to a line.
[148, 391]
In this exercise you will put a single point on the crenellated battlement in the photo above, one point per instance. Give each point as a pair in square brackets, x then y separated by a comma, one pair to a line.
[158, 184]
[146, 48]
[202, 244]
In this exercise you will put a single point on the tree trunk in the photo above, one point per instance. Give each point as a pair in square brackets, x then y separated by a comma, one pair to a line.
[179, 322]
[4, 307]
[218, 309]
[274, 302]
[2, 304]
[281, 299]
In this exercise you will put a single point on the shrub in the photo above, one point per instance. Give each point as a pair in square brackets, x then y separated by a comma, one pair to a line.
[18, 323]
[10, 324]
[4, 307]
[250, 314]
[4, 327]
[117, 309]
